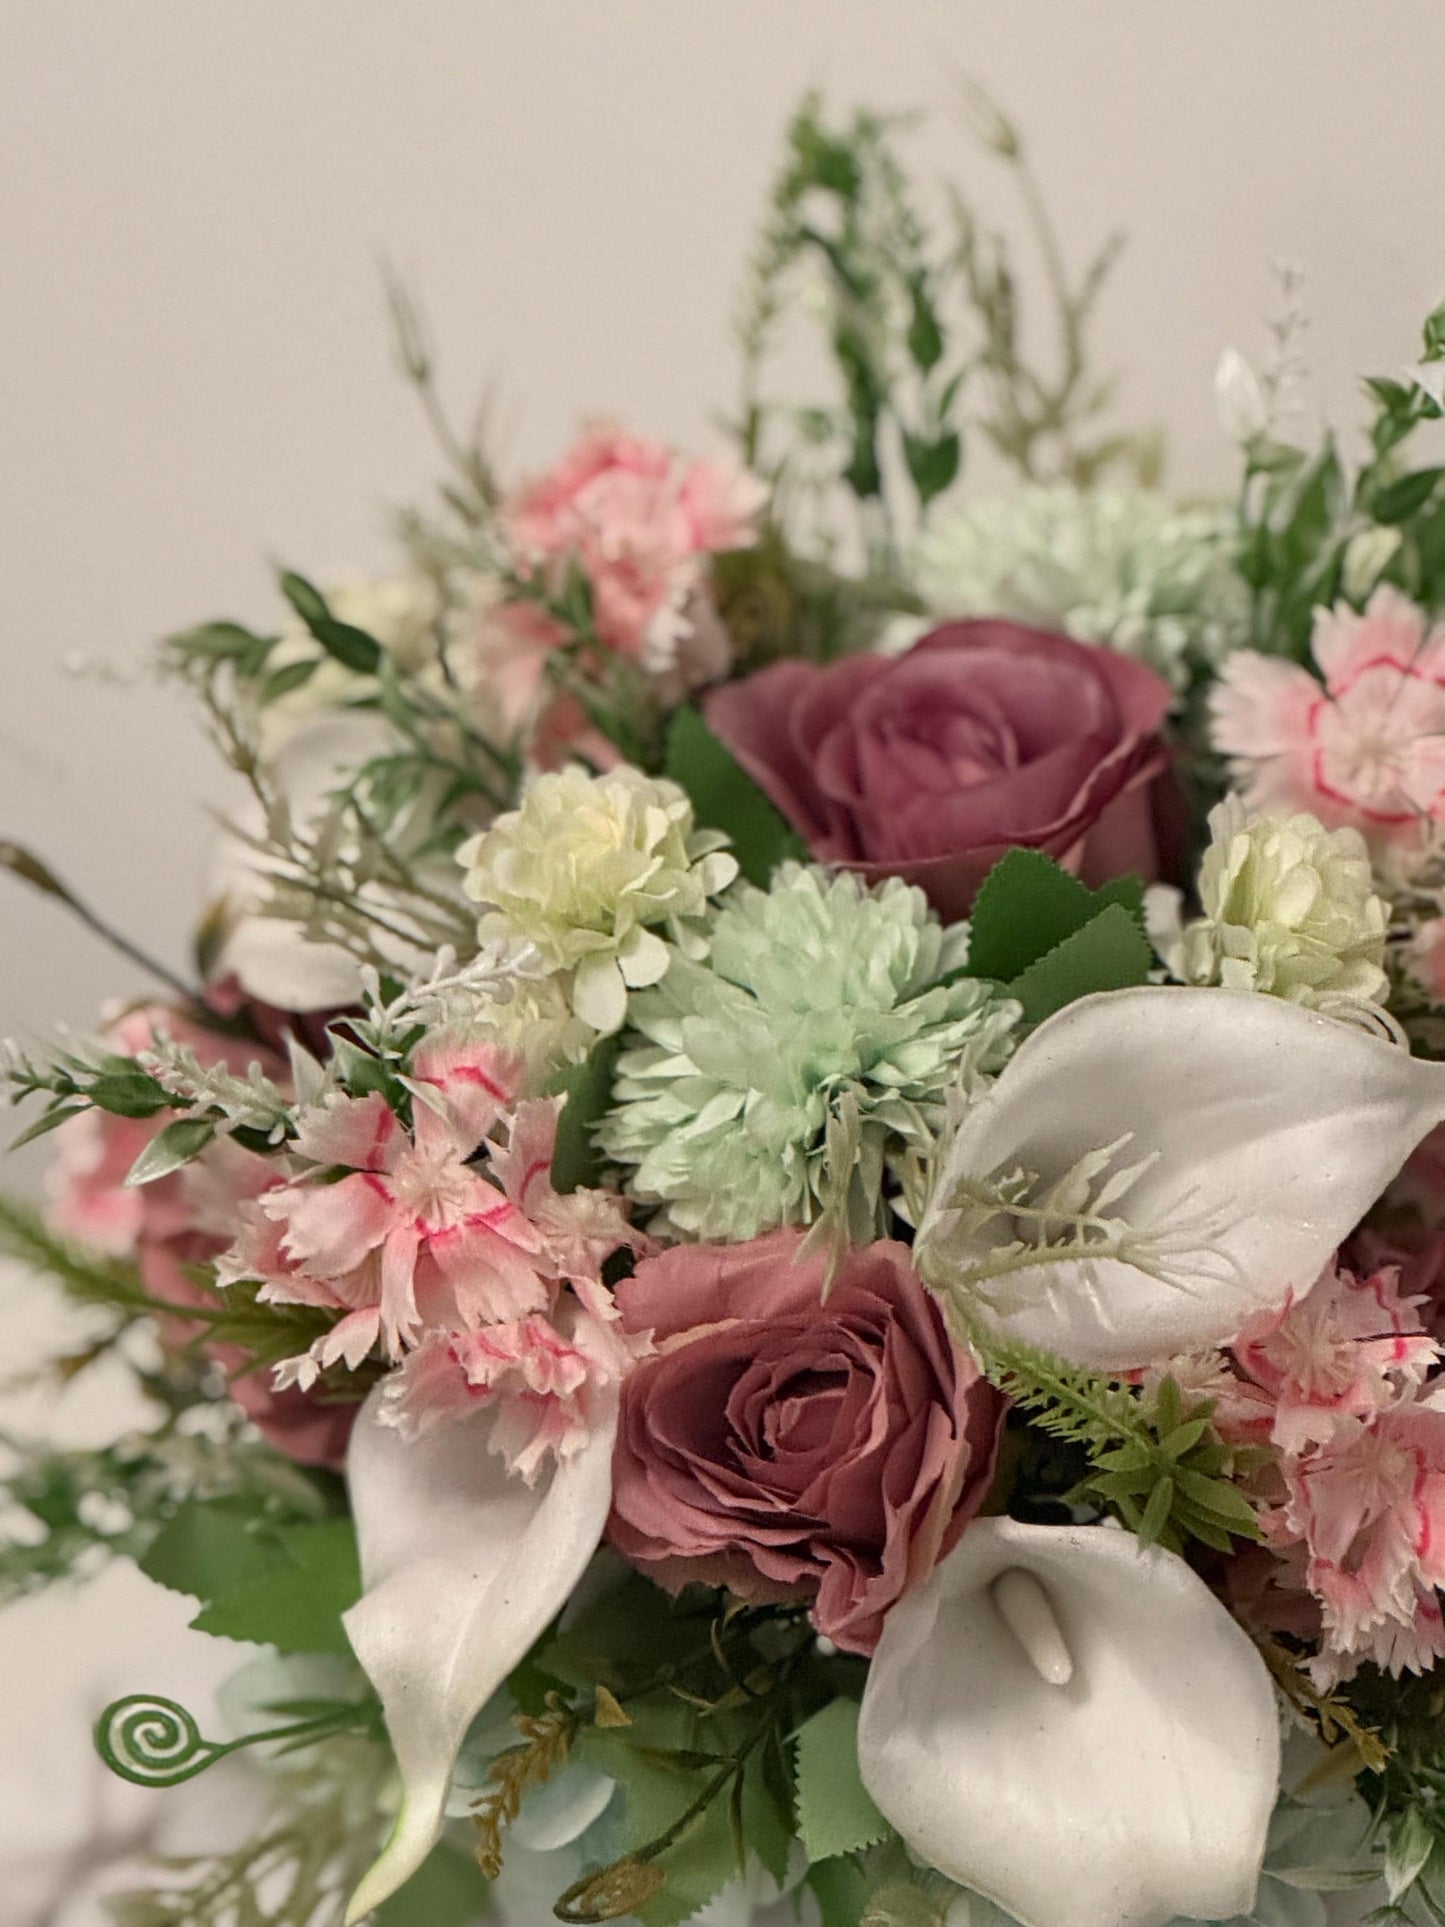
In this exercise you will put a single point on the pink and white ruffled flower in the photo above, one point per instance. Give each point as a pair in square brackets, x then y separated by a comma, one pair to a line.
[548, 1379]
[1370, 1510]
[480, 1275]
[641, 521]
[1349, 1348]
[1368, 748]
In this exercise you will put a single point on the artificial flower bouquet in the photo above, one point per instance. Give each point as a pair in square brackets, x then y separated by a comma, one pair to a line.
[788, 1250]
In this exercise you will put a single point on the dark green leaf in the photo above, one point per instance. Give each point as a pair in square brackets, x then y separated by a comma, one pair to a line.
[349, 645]
[128, 1093]
[933, 465]
[725, 798]
[925, 337]
[1402, 499]
[588, 1089]
[1111, 952]
[295, 675]
[49, 1120]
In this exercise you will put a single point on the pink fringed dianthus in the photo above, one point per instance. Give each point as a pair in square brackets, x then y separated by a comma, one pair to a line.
[485, 1281]
[1366, 749]
[640, 522]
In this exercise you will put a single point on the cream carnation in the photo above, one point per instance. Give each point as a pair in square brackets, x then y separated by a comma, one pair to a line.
[584, 869]
[1289, 909]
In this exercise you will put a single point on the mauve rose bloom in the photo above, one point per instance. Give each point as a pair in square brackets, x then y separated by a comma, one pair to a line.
[789, 1448]
[931, 765]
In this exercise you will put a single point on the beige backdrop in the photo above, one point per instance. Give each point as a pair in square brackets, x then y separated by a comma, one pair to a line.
[194, 368]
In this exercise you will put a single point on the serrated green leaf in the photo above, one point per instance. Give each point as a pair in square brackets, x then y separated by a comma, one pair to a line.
[1027, 906]
[176, 1145]
[1111, 952]
[212, 1546]
[767, 1809]
[588, 1090]
[836, 1813]
[725, 797]
[296, 1608]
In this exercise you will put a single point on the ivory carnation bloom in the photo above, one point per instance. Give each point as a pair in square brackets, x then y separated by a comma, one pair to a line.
[584, 869]
[1289, 909]
[1367, 749]
[788, 1447]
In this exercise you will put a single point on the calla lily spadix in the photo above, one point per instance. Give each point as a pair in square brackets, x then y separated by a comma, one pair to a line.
[464, 1566]
[1068, 1722]
[1156, 1166]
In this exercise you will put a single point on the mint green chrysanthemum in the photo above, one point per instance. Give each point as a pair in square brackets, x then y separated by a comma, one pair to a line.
[783, 1078]
[1124, 567]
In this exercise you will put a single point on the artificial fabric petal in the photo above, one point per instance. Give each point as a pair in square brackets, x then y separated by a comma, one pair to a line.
[1257, 1134]
[1138, 1789]
[464, 1567]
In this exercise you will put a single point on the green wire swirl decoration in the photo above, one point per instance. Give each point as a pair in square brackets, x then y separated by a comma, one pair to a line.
[154, 1742]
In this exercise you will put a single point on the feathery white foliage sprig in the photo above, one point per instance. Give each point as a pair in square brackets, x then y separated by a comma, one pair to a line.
[233, 1103]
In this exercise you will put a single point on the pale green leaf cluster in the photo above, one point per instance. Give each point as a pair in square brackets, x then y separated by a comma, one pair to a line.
[786, 1076]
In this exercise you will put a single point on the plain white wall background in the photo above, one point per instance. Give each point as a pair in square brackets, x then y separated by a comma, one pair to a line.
[195, 370]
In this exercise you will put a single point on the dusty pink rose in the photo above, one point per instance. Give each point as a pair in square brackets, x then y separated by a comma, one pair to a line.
[641, 522]
[182, 1220]
[1367, 748]
[983, 737]
[789, 1448]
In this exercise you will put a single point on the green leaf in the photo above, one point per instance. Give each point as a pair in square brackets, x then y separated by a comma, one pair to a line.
[49, 1120]
[297, 1608]
[128, 1093]
[836, 1813]
[1400, 500]
[1408, 1845]
[933, 465]
[840, 1888]
[349, 645]
[448, 1890]
[210, 1547]
[588, 1089]
[294, 675]
[1111, 952]
[725, 798]
[285, 1586]
[767, 1809]
[176, 1145]
[1028, 905]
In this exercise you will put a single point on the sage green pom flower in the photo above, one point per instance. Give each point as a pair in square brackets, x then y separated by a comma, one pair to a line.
[1122, 567]
[584, 869]
[780, 1080]
[1289, 909]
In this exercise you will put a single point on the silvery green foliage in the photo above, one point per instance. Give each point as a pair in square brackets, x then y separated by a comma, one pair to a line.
[1124, 567]
[823, 1021]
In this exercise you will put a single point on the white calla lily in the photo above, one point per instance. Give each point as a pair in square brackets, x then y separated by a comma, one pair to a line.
[464, 1567]
[1155, 1166]
[1131, 1785]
